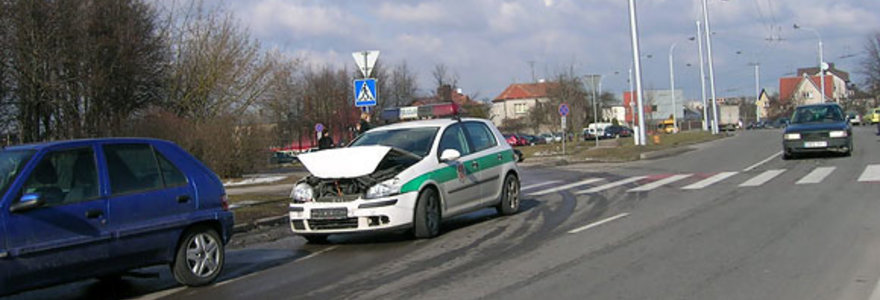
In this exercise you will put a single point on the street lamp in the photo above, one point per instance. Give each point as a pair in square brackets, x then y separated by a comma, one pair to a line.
[821, 58]
[699, 39]
[595, 106]
[672, 87]
[632, 95]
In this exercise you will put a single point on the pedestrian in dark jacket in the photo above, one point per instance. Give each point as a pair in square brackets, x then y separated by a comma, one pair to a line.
[326, 142]
[364, 124]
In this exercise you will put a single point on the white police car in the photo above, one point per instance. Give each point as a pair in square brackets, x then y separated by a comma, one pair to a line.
[409, 175]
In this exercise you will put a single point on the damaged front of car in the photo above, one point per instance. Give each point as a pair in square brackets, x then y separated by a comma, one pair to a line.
[353, 189]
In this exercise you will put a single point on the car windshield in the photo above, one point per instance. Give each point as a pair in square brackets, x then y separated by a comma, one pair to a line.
[417, 141]
[11, 163]
[817, 114]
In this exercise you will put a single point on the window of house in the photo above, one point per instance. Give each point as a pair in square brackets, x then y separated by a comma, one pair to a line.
[520, 108]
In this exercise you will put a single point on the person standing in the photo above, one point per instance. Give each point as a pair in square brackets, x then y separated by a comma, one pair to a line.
[326, 142]
[364, 124]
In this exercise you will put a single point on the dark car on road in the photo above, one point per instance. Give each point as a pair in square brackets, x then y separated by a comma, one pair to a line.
[72, 210]
[615, 131]
[817, 128]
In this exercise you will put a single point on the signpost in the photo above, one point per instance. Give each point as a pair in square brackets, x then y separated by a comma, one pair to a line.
[563, 111]
[319, 127]
[365, 94]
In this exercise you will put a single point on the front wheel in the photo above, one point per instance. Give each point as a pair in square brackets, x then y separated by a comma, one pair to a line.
[509, 196]
[427, 215]
[199, 257]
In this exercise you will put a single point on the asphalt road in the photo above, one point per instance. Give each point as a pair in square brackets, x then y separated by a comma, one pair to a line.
[730, 220]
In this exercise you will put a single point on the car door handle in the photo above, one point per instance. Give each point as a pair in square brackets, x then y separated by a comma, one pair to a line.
[94, 214]
[500, 156]
[475, 164]
[183, 199]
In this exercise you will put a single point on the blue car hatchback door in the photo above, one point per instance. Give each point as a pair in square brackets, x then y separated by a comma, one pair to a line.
[77, 209]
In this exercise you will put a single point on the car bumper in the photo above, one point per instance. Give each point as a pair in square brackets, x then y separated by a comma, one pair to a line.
[831, 144]
[360, 215]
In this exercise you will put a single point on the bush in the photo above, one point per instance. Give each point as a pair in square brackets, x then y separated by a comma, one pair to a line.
[229, 145]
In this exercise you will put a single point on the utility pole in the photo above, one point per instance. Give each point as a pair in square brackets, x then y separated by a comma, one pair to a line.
[822, 65]
[757, 92]
[708, 32]
[672, 88]
[634, 36]
[702, 78]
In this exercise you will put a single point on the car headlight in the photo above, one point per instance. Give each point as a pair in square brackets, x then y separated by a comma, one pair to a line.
[383, 189]
[837, 134]
[302, 192]
[792, 136]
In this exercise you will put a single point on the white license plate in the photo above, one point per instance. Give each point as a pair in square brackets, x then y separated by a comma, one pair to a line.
[819, 144]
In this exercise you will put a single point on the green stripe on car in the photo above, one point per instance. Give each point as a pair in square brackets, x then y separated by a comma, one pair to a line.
[448, 173]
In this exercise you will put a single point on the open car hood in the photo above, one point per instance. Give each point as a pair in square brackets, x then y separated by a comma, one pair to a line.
[348, 162]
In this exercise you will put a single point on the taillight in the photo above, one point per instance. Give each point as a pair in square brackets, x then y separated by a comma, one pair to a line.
[224, 202]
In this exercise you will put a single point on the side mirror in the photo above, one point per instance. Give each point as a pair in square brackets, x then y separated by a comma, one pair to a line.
[27, 202]
[449, 155]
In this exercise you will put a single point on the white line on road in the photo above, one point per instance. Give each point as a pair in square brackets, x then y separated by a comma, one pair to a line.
[762, 162]
[564, 187]
[816, 176]
[762, 178]
[313, 254]
[539, 184]
[591, 225]
[611, 185]
[709, 181]
[871, 173]
[659, 183]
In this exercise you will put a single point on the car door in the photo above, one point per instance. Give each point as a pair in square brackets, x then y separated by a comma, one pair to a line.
[462, 192]
[150, 201]
[488, 159]
[66, 237]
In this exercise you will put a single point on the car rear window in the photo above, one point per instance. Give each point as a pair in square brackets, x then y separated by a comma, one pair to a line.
[132, 167]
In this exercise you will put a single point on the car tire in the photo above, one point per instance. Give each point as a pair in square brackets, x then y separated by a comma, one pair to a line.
[427, 215]
[509, 203]
[316, 238]
[200, 257]
[787, 155]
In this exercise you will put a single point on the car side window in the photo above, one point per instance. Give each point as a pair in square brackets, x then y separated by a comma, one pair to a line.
[454, 138]
[132, 167]
[170, 173]
[64, 177]
[480, 136]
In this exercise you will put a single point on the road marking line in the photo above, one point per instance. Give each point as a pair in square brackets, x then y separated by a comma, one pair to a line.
[762, 178]
[871, 173]
[161, 294]
[709, 181]
[594, 224]
[762, 162]
[564, 187]
[539, 184]
[611, 185]
[659, 183]
[816, 176]
[313, 254]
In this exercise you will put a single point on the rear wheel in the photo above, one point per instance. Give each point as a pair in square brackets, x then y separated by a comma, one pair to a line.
[199, 258]
[427, 215]
[509, 196]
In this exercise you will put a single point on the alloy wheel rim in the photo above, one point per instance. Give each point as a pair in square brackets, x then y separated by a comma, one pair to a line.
[513, 194]
[432, 210]
[203, 255]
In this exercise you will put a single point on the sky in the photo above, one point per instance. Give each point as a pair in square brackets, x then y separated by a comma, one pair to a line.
[490, 44]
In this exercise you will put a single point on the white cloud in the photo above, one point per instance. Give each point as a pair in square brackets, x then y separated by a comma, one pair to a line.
[424, 12]
[296, 18]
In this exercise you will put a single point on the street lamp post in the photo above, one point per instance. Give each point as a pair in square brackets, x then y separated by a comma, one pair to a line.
[711, 67]
[637, 64]
[702, 78]
[672, 88]
[595, 107]
[821, 58]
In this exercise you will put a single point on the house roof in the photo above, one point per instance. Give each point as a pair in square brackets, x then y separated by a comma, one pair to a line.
[789, 85]
[525, 91]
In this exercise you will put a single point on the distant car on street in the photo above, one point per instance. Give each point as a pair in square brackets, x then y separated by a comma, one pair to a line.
[873, 117]
[534, 140]
[817, 128]
[72, 210]
[616, 131]
[854, 118]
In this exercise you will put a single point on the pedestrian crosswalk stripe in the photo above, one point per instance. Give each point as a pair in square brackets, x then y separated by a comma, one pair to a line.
[816, 176]
[659, 183]
[709, 181]
[612, 185]
[565, 187]
[540, 184]
[871, 173]
[762, 178]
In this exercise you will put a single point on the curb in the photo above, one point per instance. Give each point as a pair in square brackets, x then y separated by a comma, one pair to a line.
[664, 153]
[264, 222]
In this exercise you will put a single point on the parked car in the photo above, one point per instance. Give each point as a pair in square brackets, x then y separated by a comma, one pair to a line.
[817, 128]
[514, 139]
[79, 209]
[778, 123]
[854, 118]
[534, 140]
[873, 117]
[282, 157]
[615, 131]
[548, 138]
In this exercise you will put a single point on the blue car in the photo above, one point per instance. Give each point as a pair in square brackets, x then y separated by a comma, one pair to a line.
[78, 209]
[817, 128]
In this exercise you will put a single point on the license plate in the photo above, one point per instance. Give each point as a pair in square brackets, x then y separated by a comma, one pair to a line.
[329, 213]
[819, 144]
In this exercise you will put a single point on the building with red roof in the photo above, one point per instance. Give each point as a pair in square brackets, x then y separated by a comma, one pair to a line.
[518, 99]
[805, 87]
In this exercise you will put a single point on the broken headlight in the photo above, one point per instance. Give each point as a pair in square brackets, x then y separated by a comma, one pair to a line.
[302, 192]
[384, 189]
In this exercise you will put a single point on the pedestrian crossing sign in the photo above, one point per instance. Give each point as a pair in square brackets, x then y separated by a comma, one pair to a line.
[365, 92]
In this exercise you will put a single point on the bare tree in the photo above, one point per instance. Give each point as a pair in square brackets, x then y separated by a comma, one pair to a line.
[871, 65]
[402, 87]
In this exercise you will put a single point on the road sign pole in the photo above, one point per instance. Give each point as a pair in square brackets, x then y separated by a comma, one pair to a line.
[564, 136]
